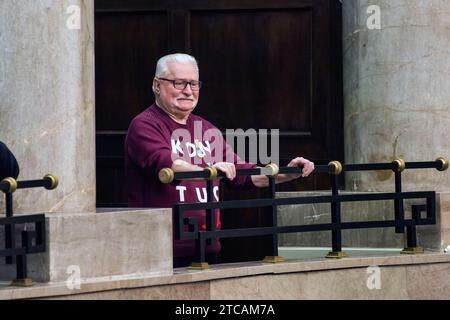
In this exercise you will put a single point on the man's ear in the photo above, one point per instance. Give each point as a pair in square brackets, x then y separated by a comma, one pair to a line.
[156, 85]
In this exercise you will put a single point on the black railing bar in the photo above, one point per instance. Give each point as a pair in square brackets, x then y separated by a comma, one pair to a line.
[369, 167]
[34, 184]
[10, 185]
[425, 221]
[317, 169]
[335, 167]
[392, 166]
[191, 175]
[376, 224]
[12, 252]
[422, 165]
[246, 172]
[236, 204]
[248, 232]
[37, 249]
[23, 219]
[230, 233]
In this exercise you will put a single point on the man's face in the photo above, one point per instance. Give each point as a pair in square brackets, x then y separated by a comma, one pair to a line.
[179, 102]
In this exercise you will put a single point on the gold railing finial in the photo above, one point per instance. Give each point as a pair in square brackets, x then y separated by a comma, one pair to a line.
[166, 175]
[12, 184]
[54, 181]
[337, 167]
[444, 163]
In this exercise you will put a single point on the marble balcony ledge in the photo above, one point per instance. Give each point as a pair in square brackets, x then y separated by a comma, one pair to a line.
[216, 272]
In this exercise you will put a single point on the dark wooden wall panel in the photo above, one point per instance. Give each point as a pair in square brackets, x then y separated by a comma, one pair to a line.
[256, 66]
[127, 46]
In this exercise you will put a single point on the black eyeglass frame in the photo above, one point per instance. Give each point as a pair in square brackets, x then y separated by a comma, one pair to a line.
[184, 83]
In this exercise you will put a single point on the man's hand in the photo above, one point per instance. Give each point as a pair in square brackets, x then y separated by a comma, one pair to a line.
[308, 166]
[228, 168]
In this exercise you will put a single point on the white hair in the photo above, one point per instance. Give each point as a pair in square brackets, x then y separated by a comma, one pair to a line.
[162, 67]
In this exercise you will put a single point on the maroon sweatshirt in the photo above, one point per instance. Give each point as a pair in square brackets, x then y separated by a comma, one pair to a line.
[153, 142]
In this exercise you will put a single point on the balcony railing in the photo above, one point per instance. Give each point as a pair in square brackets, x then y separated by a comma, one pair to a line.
[32, 241]
[187, 227]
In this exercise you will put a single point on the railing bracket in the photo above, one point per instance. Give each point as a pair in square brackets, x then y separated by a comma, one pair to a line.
[413, 250]
[28, 282]
[336, 255]
[273, 259]
[199, 266]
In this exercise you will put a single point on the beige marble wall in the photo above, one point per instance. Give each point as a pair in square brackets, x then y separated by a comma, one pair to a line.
[396, 90]
[47, 114]
[396, 283]
[334, 285]
[191, 291]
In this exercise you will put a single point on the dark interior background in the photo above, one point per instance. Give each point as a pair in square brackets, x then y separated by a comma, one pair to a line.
[265, 64]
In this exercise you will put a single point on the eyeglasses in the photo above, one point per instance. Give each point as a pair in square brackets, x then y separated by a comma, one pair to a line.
[181, 84]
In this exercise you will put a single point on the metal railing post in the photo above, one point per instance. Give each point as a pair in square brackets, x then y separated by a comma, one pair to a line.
[274, 258]
[336, 233]
[398, 203]
[201, 242]
[10, 239]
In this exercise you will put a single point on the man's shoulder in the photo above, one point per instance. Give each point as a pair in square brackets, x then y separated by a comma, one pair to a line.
[207, 124]
[148, 112]
[148, 117]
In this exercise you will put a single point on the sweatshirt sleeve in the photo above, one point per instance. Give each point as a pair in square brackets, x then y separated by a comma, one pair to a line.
[8, 163]
[148, 147]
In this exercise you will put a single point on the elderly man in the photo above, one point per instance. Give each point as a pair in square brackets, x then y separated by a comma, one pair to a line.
[151, 146]
[8, 163]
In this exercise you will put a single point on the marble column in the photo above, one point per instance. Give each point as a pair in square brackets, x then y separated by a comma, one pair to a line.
[47, 99]
[397, 89]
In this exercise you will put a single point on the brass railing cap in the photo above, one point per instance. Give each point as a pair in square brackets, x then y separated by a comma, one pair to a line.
[54, 181]
[444, 163]
[213, 173]
[274, 167]
[401, 165]
[337, 167]
[166, 175]
[12, 184]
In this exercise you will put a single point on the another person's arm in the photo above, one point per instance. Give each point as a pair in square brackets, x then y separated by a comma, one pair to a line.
[8, 163]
